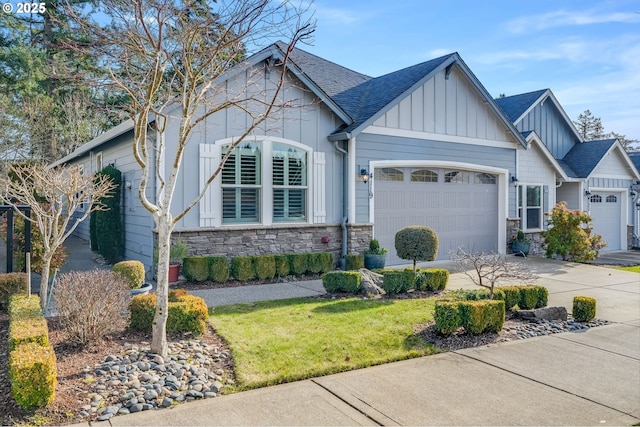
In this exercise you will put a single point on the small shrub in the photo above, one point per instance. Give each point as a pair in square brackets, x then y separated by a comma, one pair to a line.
[543, 296]
[297, 263]
[22, 307]
[23, 331]
[264, 266]
[187, 313]
[431, 279]
[447, 317]
[242, 268]
[395, 282]
[320, 262]
[32, 371]
[342, 281]
[142, 309]
[282, 265]
[482, 316]
[354, 261]
[11, 284]
[91, 304]
[584, 308]
[417, 243]
[195, 268]
[133, 272]
[528, 297]
[511, 296]
[218, 269]
[176, 295]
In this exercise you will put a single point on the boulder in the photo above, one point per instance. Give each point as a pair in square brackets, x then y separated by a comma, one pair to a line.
[371, 282]
[545, 313]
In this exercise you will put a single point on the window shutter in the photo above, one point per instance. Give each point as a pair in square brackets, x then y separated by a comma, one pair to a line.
[319, 210]
[209, 161]
[545, 205]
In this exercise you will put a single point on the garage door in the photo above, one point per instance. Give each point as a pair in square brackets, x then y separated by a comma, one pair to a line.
[461, 206]
[605, 209]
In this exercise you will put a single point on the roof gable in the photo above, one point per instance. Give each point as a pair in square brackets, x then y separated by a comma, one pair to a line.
[584, 158]
[517, 105]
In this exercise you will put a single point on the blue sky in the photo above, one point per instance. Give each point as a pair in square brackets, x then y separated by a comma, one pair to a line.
[586, 52]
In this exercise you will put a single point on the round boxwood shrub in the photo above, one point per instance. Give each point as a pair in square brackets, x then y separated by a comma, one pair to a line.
[195, 268]
[584, 308]
[242, 268]
[417, 243]
[264, 266]
[218, 269]
[132, 270]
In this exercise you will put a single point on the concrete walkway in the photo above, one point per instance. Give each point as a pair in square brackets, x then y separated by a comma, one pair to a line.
[587, 378]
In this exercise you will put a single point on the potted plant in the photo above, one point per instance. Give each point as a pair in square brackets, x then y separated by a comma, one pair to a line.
[520, 245]
[177, 252]
[375, 256]
[133, 271]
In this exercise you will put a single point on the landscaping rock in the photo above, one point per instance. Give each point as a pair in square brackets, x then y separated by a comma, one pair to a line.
[545, 313]
[371, 282]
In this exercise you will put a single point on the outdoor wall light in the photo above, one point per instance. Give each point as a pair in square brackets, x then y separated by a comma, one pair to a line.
[514, 180]
[364, 175]
[587, 192]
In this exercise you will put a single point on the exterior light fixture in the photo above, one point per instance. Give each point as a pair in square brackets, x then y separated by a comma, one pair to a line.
[364, 175]
[514, 180]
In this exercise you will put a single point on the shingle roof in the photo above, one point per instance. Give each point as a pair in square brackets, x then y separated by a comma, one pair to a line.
[514, 106]
[635, 159]
[584, 157]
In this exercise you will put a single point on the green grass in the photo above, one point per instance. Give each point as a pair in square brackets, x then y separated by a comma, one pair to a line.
[280, 341]
[634, 269]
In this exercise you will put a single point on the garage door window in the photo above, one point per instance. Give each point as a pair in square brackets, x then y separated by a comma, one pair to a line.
[530, 206]
[424, 175]
[389, 174]
[485, 178]
[595, 199]
[612, 199]
[457, 177]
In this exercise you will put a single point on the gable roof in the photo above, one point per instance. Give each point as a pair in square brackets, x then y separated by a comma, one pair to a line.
[583, 158]
[516, 106]
[634, 156]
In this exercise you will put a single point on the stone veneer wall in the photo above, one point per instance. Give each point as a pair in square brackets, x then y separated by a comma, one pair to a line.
[629, 237]
[276, 239]
[537, 249]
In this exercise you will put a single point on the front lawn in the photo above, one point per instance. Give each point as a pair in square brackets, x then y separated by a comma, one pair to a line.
[288, 340]
[634, 269]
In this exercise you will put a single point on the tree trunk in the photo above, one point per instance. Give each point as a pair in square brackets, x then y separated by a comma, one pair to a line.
[159, 332]
[44, 282]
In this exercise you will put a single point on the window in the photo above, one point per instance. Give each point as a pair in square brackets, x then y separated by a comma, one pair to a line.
[595, 198]
[289, 183]
[424, 175]
[99, 162]
[530, 206]
[389, 174]
[457, 177]
[612, 199]
[485, 178]
[241, 184]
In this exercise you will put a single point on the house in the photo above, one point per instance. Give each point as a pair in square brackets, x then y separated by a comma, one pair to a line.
[593, 176]
[362, 157]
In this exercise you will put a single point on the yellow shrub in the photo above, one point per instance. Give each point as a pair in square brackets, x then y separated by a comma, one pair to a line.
[32, 371]
[24, 307]
[28, 330]
[133, 271]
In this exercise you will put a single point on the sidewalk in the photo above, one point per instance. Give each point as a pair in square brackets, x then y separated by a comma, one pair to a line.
[588, 378]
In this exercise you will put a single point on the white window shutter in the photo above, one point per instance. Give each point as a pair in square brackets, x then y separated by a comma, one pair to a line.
[319, 209]
[209, 161]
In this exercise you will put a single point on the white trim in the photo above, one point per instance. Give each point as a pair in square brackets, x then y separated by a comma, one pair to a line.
[534, 138]
[624, 210]
[542, 219]
[351, 207]
[405, 133]
[503, 188]
[318, 188]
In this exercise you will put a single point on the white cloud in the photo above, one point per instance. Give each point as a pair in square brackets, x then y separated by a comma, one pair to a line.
[564, 18]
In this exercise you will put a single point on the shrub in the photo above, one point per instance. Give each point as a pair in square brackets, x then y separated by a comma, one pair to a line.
[195, 268]
[282, 265]
[242, 268]
[218, 269]
[528, 297]
[32, 371]
[187, 313]
[543, 296]
[320, 262]
[11, 284]
[511, 296]
[447, 317]
[264, 266]
[570, 235]
[297, 263]
[342, 281]
[417, 243]
[132, 271]
[480, 316]
[106, 226]
[23, 331]
[354, 261]
[584, 308]
[22, 307]
[91, 304]
[431, 279]
[395, 282]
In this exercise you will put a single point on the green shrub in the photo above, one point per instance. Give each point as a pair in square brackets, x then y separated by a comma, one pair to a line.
[416, 243]
[482, 316]
[28, 330]
[297, 263]
[584, 308]
[511, 296]
[11, 284]
[342, 281]
[22, 307]
[282, 265]
[477, 295]
[395, 282]
[320, 262]
[32, 371]
[133, 271]
[528, 298]
[218, 269]
[447, 317]
[431, 279]
[187, 313]
[106, 226]
[242, 268]
[354, 261]
[195, 268]
[264, 266]
[543, 296]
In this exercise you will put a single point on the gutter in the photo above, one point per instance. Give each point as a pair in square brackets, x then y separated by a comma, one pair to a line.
[345, 201]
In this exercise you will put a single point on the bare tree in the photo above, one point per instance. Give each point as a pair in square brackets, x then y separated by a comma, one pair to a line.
[487, 269]
[59, 198]
[170, 57]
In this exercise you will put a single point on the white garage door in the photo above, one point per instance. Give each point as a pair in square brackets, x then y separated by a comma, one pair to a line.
[461, 206]
[605, 209]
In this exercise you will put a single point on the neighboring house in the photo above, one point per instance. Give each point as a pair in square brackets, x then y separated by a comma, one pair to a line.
[593, 176]
[362, 157]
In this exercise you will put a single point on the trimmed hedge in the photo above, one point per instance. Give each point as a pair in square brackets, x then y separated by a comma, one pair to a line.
[187, 313]
[395, 282]
[23, 307]
[584, 308]
[106, 226]
[11, 284]
[264, 266]
[23, 331]
[481, 316]
[242, 268]
[133, 271]
[528, 297]
[447, 317]
[282, 265]
[297, 263]
[32, 372]
[431, 279]
[218, 269]
[511, 296]
[196, 268]
[342, 281]
[319, 262]
[354, 261]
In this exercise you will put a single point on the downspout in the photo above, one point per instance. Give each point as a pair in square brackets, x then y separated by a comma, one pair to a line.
[345, 203]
